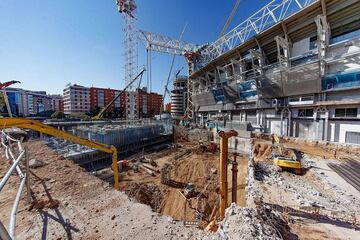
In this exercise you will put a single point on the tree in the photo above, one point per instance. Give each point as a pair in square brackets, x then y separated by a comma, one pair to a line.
[58, 115]
[94, 111]
[81, 116]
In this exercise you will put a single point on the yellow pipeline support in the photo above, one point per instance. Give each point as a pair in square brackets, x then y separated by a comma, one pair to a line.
[40, 127]
[224, 150]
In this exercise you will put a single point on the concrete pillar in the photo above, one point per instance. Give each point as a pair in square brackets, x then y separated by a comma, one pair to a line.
[326, 127]
[317, 131]
[289, 130]
[258, 117]
[294, 129]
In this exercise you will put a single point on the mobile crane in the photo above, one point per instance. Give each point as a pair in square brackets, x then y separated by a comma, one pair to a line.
[40, 127]
[102, 111]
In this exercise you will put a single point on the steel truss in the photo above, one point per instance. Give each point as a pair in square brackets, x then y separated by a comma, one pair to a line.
[165, 44]
[269, 15]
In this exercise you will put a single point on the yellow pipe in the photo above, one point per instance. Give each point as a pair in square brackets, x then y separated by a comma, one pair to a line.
[40, 127]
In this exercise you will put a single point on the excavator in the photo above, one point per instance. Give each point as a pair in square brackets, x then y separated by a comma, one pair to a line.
[284, 159]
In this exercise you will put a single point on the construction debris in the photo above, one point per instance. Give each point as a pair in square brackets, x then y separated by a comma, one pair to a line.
[34, 163]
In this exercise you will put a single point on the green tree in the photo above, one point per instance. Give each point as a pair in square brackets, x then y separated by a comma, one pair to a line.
[58, 115]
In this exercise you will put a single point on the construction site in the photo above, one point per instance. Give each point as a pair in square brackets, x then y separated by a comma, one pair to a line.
[262, 140]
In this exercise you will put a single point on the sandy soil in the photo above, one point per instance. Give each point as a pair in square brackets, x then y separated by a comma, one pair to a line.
[198, 168]
[69, 203]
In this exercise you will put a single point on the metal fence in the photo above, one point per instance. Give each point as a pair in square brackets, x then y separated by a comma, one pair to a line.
[15, 153]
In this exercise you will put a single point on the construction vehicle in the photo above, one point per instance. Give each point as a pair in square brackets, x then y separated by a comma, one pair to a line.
[42, 128]
[102, 111]
[189, 190]
[284, 159]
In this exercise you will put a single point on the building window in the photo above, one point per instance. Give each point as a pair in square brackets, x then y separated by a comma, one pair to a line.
[294, 99]
[346, 112]
[352, 137]
[301, 100]
[305, 112]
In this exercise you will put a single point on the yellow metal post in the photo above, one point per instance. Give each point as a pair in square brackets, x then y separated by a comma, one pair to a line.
[223, 168]
[115, 167]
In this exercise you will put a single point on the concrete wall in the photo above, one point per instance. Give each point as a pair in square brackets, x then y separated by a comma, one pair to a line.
[338, 130]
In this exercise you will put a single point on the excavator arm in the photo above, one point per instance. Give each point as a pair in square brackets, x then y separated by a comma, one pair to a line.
[276, 139]
[6, 84]
[40, 127]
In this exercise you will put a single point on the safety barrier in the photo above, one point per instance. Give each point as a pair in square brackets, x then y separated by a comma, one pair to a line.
[16, 156]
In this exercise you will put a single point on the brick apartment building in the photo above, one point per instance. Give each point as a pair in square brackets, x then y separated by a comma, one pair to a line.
[154, 104]
[168, 107]
[100, 97]
[57, 103]
[149, 103]
[79, 99]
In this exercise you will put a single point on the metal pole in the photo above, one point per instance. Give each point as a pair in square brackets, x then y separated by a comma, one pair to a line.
[223, 175]
[234, 178]
[4, 235]
[12, 224]
[27, 174]
[223, 169]
[9, 172]
[115, 168]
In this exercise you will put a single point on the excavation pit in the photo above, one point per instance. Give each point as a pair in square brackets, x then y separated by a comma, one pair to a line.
[188, 165]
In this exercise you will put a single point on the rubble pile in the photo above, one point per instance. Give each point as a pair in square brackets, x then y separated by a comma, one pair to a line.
[252, 192]
[246, 223]
[313, 189]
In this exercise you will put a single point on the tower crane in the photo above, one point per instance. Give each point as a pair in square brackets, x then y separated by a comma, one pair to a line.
[127, 8]
[231, 16]
[165, 44]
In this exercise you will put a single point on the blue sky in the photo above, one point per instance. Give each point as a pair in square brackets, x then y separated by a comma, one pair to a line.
[46, 44]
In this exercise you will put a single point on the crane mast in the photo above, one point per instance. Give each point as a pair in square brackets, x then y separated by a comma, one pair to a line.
[128, 9]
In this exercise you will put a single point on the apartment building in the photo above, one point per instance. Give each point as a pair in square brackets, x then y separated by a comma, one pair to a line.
[28, 103]
[57, 103]
[76, 99]
[100, 97]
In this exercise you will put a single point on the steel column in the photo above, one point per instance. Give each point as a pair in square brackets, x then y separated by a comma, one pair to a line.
[224, 141]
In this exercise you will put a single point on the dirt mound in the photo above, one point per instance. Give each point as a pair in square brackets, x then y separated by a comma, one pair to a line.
[146, 193]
